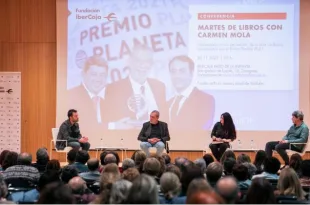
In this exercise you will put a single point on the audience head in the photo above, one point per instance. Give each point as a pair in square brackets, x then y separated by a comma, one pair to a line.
[42, 156]
[179, 161]
[208, 159]
[240, 172]
[110, 159]
[166, 158]
[260, 192]
[93, 164]
[68, 172]
[151, 166]
[229, 163]
[242, 158]
[77, 185]
[71, 155]
[196, 185]
[130, 174]
[24, 159]
[295, 162]
[48, 177]
[214, 172]
[202, 197]
[174, 169]
[56, 193]
[128, 163]
[143, 191]
[272, 165]
[139, 157]
[260, 158]
[119, 192]
[162, 164]
[227, 154]
[2, 156]
[202, 164]
[289, 184]
[227, 188]
[189, 173]
[82, 156]
[170, 185]
[53, 165]
[10, 159]
[305, 168]
[251, 169]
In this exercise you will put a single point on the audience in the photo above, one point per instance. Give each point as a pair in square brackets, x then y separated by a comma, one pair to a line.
[42, 159]
[214, 173]
[227, 188]
[260, 192]
[305, 171]
[152, 180]
[127, 163]
[93, 173]
[259, 161]
[271, 168]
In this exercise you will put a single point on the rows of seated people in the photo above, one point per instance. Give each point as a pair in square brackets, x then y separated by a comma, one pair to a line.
[154, 179]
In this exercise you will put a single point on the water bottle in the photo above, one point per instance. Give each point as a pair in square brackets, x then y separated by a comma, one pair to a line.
[252, 144]
[101, 143]
[122, 143]
[239, 145]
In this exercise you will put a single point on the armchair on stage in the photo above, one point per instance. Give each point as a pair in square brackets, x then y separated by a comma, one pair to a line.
[302, 152]
[54, 142]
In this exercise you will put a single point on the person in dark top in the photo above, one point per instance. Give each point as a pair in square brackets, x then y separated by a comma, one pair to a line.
[70, 131]
[259, 161]
[222, 133]
[154, 134]
[42, 159]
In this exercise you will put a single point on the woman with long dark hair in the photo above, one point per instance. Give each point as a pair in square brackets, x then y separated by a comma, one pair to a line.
[259, 161]
[222, 134]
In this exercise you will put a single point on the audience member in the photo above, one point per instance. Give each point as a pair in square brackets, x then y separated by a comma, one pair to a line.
[251, 169]
[227, 154]
[166, 158]
[139, 156]
[179, 161]
[295, 163]
[127, 163]
[202, 164]
[228, 165]
[143, 191]
[170, 187]
[242, 158]
[10, 160]
[80, 191]
[289, 184]
[110, 158]
[82, 157]
[3, 189]
[2, 157]
[259, 161]
[162, 165]
[119, 192]
[130, 174]
[214, 173]
[189, 173]
[93, 173]
[260, 192]
[174, 169]
[68, 172]
[42, 160]
[271, 168]
[71, 155]
[56, 193]
[152, 167]
[197, 185]
[227, 188]
[202, 197]
[208, 159]
[22, 173]
[305, 171]
[240, 172]
[53, 164]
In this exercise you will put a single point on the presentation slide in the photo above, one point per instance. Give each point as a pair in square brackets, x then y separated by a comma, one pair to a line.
[190, 60]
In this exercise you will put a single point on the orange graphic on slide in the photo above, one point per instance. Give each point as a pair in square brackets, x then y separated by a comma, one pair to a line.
[110, 17]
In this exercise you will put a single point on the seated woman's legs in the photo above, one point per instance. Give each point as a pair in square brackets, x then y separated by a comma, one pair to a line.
[215, 151]
[223, 148]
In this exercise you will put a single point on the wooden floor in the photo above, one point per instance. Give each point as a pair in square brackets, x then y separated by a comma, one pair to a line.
[192, 155]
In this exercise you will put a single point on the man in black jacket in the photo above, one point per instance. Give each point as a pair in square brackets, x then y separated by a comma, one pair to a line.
[154, 134]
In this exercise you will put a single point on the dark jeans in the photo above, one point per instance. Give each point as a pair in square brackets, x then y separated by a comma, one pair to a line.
[77, 145]
[280, 148]
[218, 150]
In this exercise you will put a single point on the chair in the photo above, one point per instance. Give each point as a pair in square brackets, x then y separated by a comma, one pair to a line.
[19, 185]
[54, 142]
[302, 152]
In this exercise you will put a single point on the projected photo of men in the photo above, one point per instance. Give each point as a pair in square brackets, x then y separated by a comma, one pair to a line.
[89, 97]
[131, 100]
[188, 98]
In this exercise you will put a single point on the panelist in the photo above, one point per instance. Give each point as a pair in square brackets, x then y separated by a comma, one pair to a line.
[188, 97]
[298, 133]
[70, 131]
[154, 133]
[222, 134]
